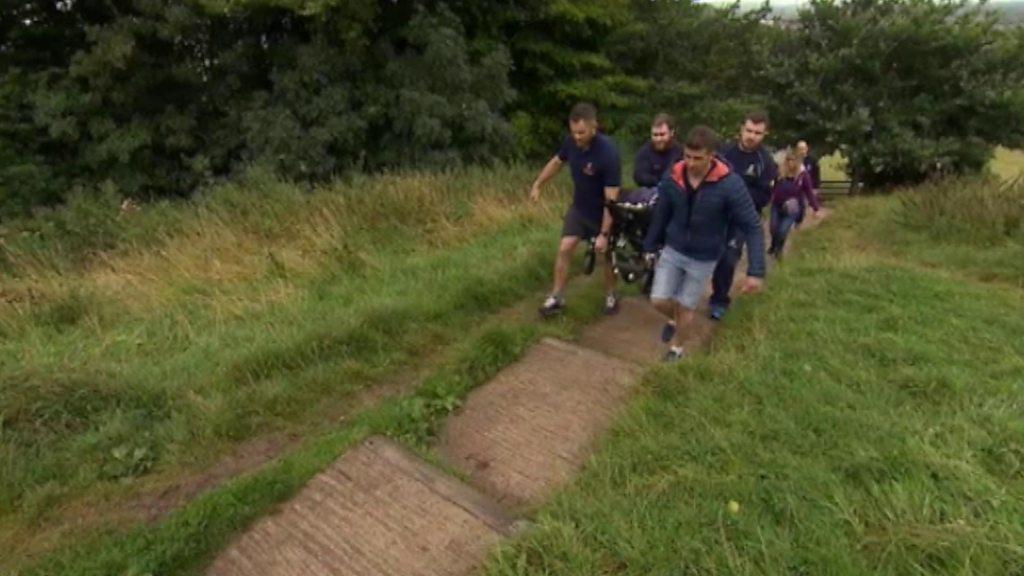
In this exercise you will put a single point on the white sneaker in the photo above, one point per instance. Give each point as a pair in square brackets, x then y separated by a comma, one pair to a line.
[611, 304]
[552, 305]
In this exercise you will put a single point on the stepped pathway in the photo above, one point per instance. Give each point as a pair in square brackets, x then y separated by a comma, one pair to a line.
[527, 431]
[380, 510]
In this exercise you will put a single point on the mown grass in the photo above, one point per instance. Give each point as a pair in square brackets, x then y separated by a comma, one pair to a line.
[864, 414]
[141, 357]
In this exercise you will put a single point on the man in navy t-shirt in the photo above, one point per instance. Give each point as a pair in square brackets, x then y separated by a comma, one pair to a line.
[596, 177]
[756, 167]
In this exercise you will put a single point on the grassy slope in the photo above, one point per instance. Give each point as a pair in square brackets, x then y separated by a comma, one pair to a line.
[200, 326]
[291, 307]
[186, 541]
[864, 413]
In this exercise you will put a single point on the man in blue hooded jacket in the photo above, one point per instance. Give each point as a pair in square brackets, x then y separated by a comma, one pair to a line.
[698, 204]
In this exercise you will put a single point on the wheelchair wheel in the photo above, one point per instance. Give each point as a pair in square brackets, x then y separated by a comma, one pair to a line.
[648, 282]
[589, 260]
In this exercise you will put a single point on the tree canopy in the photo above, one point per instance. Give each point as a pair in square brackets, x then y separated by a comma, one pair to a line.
[156, 98]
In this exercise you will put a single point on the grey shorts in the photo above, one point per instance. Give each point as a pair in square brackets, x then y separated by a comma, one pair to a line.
[680, 278]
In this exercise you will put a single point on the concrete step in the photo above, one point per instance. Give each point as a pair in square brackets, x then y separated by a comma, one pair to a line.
[378, 511]
[528, 431]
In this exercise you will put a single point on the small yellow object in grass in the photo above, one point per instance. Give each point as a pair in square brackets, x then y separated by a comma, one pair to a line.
[734, 506]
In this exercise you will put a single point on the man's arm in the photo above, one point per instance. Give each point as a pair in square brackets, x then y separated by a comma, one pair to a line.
[546, 173]
[770, 173]
[762, 187]
[611, 195]
[612, 184]
[742, 212]
[807, 190]
[659, 218]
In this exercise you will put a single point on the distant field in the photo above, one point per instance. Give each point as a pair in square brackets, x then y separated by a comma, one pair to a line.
[833, 167]
[1008, 163]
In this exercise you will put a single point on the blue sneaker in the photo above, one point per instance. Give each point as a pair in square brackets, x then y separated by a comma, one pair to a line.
[667, 332]
[718, 311]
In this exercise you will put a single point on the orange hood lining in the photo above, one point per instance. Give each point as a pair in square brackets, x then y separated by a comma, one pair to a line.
[719, 170]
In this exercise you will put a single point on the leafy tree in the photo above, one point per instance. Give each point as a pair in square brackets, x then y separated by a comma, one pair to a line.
[701, 63]
[560, 50]
[440, 100]
[158, 98]
[905, 89]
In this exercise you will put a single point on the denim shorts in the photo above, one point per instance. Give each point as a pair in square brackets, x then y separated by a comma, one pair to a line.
[681, 278]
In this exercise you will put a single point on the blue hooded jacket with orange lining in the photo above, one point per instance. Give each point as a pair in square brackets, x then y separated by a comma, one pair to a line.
[719, 200]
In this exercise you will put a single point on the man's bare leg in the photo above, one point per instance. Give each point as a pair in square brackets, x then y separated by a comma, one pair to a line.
[562, 260]
[611, 302]
[666, 307]
[610, 279]
[684, 316]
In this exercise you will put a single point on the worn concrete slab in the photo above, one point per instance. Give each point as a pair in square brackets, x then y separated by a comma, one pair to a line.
[377, 511]
[530, 429]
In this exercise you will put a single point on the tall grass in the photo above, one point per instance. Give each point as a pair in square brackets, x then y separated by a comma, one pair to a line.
[257, 228]
[968, 227]
[983, 211]
[184, 329]
[193, 534]
[862, 412]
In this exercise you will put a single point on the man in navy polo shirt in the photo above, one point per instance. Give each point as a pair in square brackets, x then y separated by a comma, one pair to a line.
[755, 165]
[596, 177]
[657, 156]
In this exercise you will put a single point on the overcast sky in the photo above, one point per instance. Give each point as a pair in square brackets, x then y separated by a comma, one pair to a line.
[754, 3]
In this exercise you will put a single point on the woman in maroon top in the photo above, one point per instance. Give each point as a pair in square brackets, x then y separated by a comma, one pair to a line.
[792, 188]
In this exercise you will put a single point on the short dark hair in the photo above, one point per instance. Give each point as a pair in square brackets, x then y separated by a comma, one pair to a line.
[583, 111]
[663, 118]
[701, 138]
[756, 116]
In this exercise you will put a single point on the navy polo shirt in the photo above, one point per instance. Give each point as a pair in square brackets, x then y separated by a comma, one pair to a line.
[651, 165]
[594, 169]
[757, 169]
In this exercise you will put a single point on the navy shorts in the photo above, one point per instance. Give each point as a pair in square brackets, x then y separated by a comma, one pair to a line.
[576, 225]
